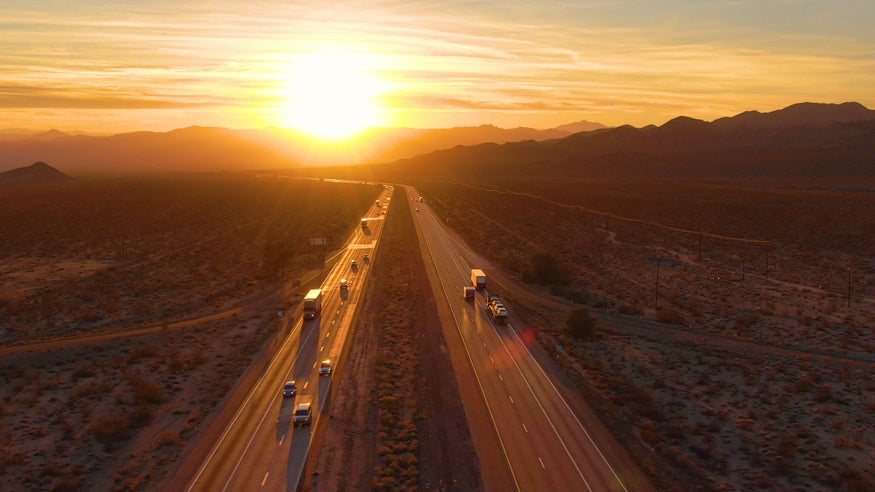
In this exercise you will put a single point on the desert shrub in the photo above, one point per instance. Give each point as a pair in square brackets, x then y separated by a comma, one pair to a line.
[580, 324]
[671, 316]
[545, 269]
[110, 428]
[67, 483]
[169, 437]
[147, 391]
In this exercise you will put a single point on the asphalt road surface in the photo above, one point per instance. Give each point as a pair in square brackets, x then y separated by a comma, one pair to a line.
[545, 445]
[260, 449]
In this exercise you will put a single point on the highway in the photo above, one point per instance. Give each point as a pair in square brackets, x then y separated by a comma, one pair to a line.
[260, 449]
[544, 443]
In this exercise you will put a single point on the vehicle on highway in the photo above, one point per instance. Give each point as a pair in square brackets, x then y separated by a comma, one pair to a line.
[303, 415]
[469, 292]
[366, 258]
[353, 264]
[417, 210]
[478, 278]
[290, 389]
[325, 368]
[496, 309]
[344, 284]
[364, 224]
[313, 303]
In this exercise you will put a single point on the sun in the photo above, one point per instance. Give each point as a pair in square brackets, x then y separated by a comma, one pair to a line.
[332, 96]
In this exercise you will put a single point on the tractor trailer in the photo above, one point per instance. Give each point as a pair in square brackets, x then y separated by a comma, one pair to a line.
[478, 278]
[313, 303]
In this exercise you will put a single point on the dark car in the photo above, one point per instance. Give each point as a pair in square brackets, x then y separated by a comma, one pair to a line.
[303, 415]
[290, 389]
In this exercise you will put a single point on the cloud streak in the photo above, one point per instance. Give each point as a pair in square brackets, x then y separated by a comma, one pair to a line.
[551, 63]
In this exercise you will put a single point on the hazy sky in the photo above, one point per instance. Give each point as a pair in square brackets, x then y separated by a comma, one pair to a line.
[113, 66]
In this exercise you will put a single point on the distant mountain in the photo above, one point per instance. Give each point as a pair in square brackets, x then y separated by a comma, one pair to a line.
[817, 141]
[38, 172]
[580, 126]
[802, 114]
[202, 149]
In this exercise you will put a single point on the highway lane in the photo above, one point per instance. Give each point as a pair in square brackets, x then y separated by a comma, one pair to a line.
[545, 444]
[260, 449]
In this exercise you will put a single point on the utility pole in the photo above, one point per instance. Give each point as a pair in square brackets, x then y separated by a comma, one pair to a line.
[849, 285]
[656, 304]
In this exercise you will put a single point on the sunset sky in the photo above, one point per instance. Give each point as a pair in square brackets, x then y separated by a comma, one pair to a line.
[116, 66]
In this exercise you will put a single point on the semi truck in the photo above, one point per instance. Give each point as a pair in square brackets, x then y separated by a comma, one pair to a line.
[478, 278]
[313, 303]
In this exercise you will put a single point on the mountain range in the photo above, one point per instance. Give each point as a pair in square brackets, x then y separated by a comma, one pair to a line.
[211, 149]
[801, 140]
[806, 139]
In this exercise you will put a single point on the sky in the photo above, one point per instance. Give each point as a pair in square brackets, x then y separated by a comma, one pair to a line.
[118, 66]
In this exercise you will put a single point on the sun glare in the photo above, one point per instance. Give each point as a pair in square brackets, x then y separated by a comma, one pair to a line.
[332, 96]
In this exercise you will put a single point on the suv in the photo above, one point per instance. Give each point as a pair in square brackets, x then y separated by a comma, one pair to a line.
[303, 415]
[325, 368]
[290, 389]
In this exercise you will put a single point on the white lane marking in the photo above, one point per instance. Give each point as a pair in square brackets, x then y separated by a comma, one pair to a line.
[326, 335]
[568, 407]
[510, 398]
[320, 349]
[306, 383]
[491, 359]
[542, 463]
[484, 344]
[314, 365]
[500, 378]
[299, 327]
[525, 428]
[544, 411]
[264, 480]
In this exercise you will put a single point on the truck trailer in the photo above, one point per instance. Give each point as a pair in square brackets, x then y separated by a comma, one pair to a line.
[313, 303]
[478, 278]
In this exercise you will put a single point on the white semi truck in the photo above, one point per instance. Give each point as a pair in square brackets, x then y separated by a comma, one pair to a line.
[313, 303]
[478, 279]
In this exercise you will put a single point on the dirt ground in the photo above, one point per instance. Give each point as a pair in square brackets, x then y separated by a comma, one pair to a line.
[130, 309]
[762, 377]
[397, 421]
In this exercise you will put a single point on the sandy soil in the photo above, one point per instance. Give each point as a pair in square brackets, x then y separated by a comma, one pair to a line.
[131, 309]
[397, 421]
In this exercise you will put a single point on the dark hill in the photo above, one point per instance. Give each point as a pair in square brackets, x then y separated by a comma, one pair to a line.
[805, 140]
[38, 172]
[802, 114]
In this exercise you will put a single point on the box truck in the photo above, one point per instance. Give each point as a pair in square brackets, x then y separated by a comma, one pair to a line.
[478, 278]
[313, 304]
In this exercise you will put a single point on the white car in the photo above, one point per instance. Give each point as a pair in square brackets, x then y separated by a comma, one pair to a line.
[325, 368]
